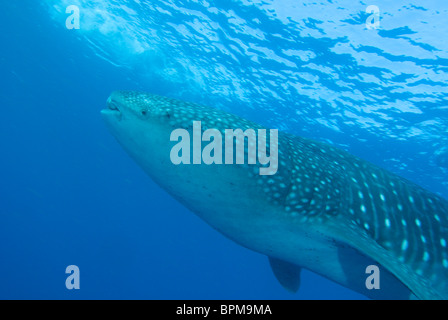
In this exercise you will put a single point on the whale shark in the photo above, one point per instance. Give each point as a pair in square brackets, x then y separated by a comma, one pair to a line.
[324, 209]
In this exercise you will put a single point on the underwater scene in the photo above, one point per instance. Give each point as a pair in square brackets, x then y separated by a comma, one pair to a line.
[224, 149]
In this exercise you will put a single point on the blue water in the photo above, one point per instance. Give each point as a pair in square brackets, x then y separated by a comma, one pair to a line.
[69, 195]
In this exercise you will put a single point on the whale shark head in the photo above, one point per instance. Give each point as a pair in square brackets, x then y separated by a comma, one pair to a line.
[132, 108]
[143, 124]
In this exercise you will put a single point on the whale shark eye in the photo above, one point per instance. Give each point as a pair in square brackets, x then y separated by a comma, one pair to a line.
[144, 112]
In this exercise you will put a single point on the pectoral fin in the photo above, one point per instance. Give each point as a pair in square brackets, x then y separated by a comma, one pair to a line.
[287, 274]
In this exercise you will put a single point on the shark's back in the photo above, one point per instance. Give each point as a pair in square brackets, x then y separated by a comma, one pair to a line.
[390, 219]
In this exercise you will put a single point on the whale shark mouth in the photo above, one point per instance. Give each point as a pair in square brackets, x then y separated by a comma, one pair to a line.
[112, 105]
[113, 108]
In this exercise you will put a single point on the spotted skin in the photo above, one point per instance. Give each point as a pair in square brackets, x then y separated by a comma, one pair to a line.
[324, 209]
[408, 222]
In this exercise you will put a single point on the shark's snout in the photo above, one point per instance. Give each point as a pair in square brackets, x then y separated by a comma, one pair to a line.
[113, 108]
[112, 104]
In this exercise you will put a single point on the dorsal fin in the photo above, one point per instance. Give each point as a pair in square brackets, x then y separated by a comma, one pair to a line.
[287, 274]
